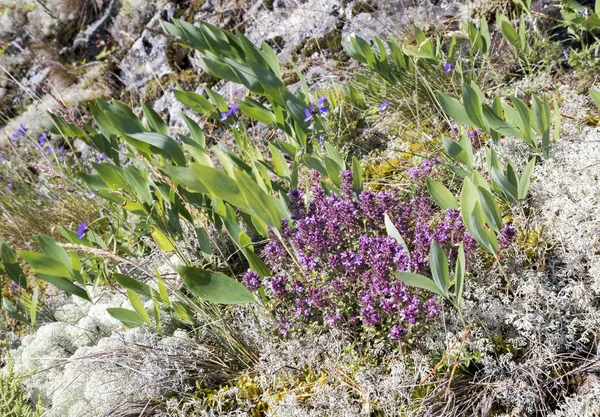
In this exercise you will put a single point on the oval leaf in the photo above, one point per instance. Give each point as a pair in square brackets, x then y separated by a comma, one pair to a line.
[214, 287]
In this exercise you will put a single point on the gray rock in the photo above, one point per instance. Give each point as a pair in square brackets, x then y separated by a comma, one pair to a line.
[85, 42]
[292, 23]
[147, 58]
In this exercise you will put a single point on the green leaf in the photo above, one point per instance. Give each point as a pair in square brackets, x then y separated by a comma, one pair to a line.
[12, 267]
[442, 196]
[66, 129]
[393, 232]
[214, 287]
[196, 132]
[133, 284]
[509, 32]
[419, 281]
[595, 94]
[257, 111]
[152, 142]
[129, 318]
[486, 239]
[459, 275]
[357, 177]
[260, 202]
[473, 107]
[525, 179]
[456, 152]
[44, 264]
[138, 306]
[490, 209]
[155, 122]
[454, 109]
[439, 267]
[64, 284]
[50, 248]
[279, 162]
[504, 184]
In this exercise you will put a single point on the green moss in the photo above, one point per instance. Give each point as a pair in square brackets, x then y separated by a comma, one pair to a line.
[363, 7]
[331, 41]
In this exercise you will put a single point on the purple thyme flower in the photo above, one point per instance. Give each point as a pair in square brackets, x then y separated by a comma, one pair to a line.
[252, 280]
[384, 105]
[507, 236]
[448, 67]
[81, 230]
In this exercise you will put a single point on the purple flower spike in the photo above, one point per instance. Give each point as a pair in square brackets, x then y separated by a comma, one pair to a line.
[448, 67]
[384, 105]
[252, 280]
[81, 230]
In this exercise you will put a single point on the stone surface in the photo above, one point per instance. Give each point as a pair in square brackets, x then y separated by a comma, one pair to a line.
[147, 58]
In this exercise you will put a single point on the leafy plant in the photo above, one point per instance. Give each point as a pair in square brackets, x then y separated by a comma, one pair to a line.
[441, 284]
[499, 119]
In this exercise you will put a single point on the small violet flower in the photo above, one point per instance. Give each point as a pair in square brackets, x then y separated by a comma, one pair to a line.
[42, 139]
[81, 230]
[448, 67]
[230, 112]
[384, 105]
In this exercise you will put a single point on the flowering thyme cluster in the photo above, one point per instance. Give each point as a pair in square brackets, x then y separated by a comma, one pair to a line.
[424, 169]
[321, 109]
[344, 261]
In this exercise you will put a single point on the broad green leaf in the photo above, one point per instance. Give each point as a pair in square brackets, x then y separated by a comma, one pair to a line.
[138, 305]
[214, 287]
[439, 267]
[133, 284]
[472, 106]
[44, 264]
[158, 143]
[335, 155]
[454, 109]
[419, 281]
[280, 164]
[486, 238]
[257, 200]
[130, 319]
[155, 122]
[503, 183]
[525, 179]
[64, 284]
[163, 242]
[66, 129]
[12, 267]
[393, 232]
[455, 151]
[357, 177]
[490, 209]
[595, 94]
[51, 248]
[196, 132]
[442, 196]
[509, 32]
[333, 171]
[257, 111]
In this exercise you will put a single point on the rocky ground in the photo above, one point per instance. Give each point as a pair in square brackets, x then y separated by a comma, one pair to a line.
[69, 52]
